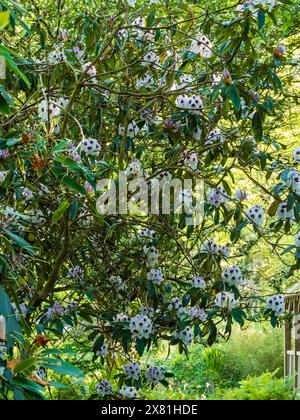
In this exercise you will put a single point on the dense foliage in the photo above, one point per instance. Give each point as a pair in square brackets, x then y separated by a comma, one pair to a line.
[160, 90]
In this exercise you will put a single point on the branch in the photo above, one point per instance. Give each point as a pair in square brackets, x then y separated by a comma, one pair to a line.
[53, 278]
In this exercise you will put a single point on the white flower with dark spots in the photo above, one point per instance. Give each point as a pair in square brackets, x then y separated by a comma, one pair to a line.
[132, 370]
[276, 304]
[256, 215]
[202, 46]
[233, 276]
[154, 375]
[103, 388]
[141, 326]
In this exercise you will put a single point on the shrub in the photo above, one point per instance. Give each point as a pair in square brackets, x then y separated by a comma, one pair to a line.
[264, 387]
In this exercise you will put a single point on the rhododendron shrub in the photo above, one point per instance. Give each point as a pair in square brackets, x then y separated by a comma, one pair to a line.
[158, 90]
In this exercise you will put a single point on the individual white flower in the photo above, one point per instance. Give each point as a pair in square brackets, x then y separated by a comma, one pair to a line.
[134, 168]
[217, 196]
[146, 82]
[151, 253]
[4, 154]
[240, 195]
[132, 370]
[56, 57]
[181, 312]
[256, 215]
[156, 276]
[123, 33]
[226, 300]
[233, 276]
[182, 101]
[56, 129]
[195, 312]
[154, 375]
[132, 130]
[146, 235]
[90, 147]
[191, 161]
[253, 5]
[283, 213]
[296, 155]
[43, 190]
[150, 58]
[141, 326]
[197, 133]
[103, 351]
[293, 181]
[202, 46]
[224, 251]
[192, 103]
[297, 240]
[198, 282]
[139, 23]
[246, 4]
[186, 336]
[3, 175]
[117, 283]
[175, 303]
[78, 52]
[276, 304]
[41, 373]
[215, 136]
[55, 311]
[75, 156]
[149, 312]
[210, 247]
[48, 110]
[195, 104]
[149, 117]
[89, 69]
[121, 318]
[148, 36]
[186, 81]
[129, 392]
[131, 3]
[62, 103]
[103, 388]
